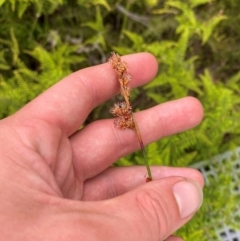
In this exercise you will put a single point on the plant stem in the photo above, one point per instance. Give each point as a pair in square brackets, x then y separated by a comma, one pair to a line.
[149, 178]
[143, 150]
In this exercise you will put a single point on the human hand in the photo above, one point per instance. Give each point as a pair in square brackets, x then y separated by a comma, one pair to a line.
[56, 183]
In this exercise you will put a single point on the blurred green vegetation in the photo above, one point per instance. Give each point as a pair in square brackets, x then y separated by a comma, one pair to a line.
[196, 43]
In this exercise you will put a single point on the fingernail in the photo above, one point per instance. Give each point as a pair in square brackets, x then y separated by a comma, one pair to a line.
[189, 197]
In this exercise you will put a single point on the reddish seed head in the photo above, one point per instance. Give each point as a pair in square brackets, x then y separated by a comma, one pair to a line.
[118, 64]
[122, 123]
[122, 110]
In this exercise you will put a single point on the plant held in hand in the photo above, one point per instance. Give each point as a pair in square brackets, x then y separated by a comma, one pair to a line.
[123, 110]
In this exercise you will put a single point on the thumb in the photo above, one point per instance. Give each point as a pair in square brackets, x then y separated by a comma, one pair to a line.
[157, 209]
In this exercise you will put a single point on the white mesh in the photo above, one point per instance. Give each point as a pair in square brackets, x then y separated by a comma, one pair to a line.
[208, 170]
[227, 234]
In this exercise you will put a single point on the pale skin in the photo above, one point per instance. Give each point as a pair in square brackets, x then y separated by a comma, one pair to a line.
[55, 181]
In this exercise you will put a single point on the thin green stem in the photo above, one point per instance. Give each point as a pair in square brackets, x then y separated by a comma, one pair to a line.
[142, 149]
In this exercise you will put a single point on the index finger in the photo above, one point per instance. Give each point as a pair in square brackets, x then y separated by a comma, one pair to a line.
[68, 103]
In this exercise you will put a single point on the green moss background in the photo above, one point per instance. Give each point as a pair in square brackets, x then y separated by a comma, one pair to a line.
[196, 43]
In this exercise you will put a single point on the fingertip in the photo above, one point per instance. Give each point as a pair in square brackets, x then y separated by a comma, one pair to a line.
[196, 109]
[189, 197]
[197, 176]
[142, 66]
[151, 60]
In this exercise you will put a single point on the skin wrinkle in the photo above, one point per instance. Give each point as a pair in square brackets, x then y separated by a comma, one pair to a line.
[50, 160]
[52, 155]
[88, 194]
[77, 168]
[144, 203]
[36, 181]
[33, 144]
[57, 168]
[163, 124]
[164, 216]
[65, 160]
[92, 190]
[63, 180]
[26, 165]
[161, 219]
[73, 191]
[106, 183]
[36, 143]
[76, 188]
[38, 166]
[110, 184]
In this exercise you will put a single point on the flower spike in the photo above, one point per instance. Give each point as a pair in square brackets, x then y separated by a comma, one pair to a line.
[123, 110]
